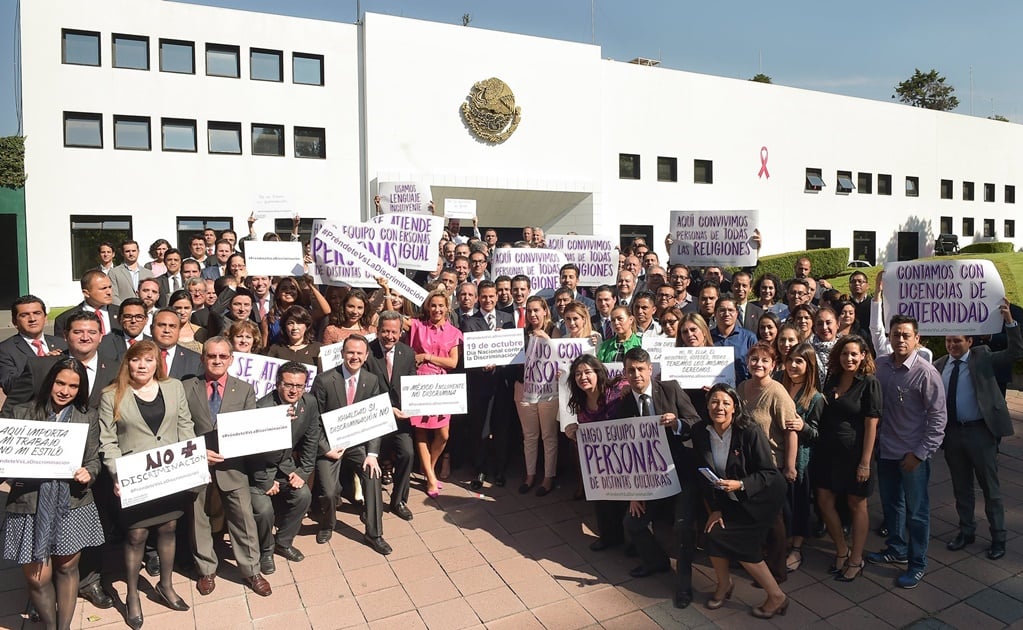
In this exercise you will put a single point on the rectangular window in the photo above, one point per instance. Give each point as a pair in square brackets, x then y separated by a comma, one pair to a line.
[310, 142]
[267, 139]
[190, 226]
[224, 137]
[912, 186]
[946, 225]
[667, 169]
[83, 130]
[132, 132]
[266, 65]
[989, 193]
[864, 183]
[80, 48]
[283, 229]
[989, 228]
[307, 69]
[1010, 194]
[177, 56]
[87, 232]
[178, 135]
[844, 184]
[703, 172]
[628, 166]
[1009, 231]
[967, 191]
[818, 239]
[222, 61]
[131, 51]
[946, 189]
[814, 183]
[967, 226]
[884, 184]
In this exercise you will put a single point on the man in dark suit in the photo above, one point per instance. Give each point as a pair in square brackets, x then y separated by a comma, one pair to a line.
[98, 295]
[28, 313]
[211, 393]
[569, 276]
[223, 251]
[132, 316]
[978, 419]
[749, 313]
[173, 280]
[278, 480]
[344, 385]
[181, 363]
[390, 360]
[603, 301]
[647, 397]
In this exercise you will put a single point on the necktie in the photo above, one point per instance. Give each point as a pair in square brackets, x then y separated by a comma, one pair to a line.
[174, 283]
[102, 326]
[607, 329]
[950, 396]
[390, 364]
[490, 322]
[215, 401]
[645, 408]
[262, 309]
[163, 357]
[351, 390]
[38, 345]
[522, 317]
[131, 341]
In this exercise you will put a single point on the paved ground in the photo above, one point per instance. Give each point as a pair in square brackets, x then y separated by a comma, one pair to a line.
[503, 560]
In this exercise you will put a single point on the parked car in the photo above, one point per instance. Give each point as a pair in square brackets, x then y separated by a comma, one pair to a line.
[859, 263]
[946, 245]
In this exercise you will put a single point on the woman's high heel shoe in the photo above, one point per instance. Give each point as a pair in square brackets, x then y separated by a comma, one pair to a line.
[714, 604]
[135, 622]
[760, 613]
[176, 604]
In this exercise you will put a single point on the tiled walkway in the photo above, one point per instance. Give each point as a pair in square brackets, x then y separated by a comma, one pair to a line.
[509, 561]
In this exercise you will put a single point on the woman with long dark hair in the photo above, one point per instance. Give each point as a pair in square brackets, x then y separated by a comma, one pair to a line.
[296, 342]
[539, 419]
[355, 317]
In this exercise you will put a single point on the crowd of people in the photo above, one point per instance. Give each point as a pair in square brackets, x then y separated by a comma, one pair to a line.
[826, 407]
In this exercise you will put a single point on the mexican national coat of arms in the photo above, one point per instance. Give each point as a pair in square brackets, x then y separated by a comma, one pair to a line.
[490, 110]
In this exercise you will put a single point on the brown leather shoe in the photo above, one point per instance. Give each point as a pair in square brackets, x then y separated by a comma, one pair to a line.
[206, 584]
[259, 585]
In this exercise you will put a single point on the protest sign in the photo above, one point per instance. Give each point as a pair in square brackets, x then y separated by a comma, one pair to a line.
[433, 394]
[331, 355]
[274, 258]
[655, 344]
[954, 297]
[30, 449]
[720, 237]
[544, 358]
[702, 366]
[261, 372]
[253, 431]
[407, 241]
[359, 422]
[162, 471]
[596, 257]
[626, 460]
[565, 415]
[542, 266]
[460, 209]
[499, 347]
[271, 204]
[615, 370]
[406, 197]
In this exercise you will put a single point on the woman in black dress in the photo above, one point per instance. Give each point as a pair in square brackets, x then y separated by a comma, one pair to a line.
[744, 501]
[49, 521]
[842, 462]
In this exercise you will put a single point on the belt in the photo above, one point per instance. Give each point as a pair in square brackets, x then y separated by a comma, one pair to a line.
[968, 423]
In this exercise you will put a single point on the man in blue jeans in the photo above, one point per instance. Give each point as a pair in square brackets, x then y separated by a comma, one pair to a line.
[911, 430]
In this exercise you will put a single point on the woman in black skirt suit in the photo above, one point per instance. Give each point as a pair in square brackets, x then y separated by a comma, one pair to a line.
[49, 521]
[140, 410]
[744, 502]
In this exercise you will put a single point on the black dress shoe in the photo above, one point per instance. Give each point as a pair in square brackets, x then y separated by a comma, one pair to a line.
[683, 598]
[152, 565]
[500, 480]
[95, 595]
[174, 604]
[289, 553]
[267, 566]
[477, 483]
[135, 623]
[401, 511]
[524, 488]
[378, 545]
[960, 542]
[643, 571]
[997, 550]
[323, 536]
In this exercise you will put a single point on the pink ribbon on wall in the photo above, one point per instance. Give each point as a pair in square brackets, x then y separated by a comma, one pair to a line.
[763, 164]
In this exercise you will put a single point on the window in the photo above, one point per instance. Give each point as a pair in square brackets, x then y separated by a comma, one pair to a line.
[307, 69]
[628, 166]
[967, 227]
[222, 61]
[310, 142]
[814, 183]
[267, 139]
[989, 193]
[266, 65]
[989, 228]
[1009, 231]
[131, 51]
[177, 56]
[305, 229]
[627, 233]
[667, 169]
[844, 184]
[83, 130]
[818, 239]
[864, 183]
[224, 137]
[80, 48]
[87, 232]
[132, 132]
[946, 225]
[1010, 194]
[946, 189]
[703, 172]
[967, 191]
[912, 186]
[178, 135]
[884, 184]
[190, 226]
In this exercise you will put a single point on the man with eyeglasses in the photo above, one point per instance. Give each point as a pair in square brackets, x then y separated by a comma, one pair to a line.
[728, 333]
[859, 295]
[798, 292]
[665, 301]
[478, 267]
[133, 318]
[679, 279]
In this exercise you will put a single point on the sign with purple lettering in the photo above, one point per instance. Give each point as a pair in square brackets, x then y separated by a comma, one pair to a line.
[261, 372]
[542, 266]
[162, 471]
[713, 237]
[947, 297]
[410, 241]
[405, 197]
[544, 359]
[596, 257]
[30, 449]
[626, 460]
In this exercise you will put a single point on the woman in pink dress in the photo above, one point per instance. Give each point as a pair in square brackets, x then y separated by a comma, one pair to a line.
[436, 343]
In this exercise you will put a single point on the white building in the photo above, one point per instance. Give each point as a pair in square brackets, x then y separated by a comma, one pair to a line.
[155, 118]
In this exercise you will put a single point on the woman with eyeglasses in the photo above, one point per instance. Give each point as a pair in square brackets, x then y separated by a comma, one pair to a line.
[670, 320]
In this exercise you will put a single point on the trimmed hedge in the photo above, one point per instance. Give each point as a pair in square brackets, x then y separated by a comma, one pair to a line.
[824, 263]
[987, 248]
[12, 162]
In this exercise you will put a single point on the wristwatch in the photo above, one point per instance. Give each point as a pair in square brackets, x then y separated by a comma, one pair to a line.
[742, 486]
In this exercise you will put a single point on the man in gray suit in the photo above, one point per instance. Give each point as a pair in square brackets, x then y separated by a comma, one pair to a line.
[978, 419]
[125, 278]
[209, 394]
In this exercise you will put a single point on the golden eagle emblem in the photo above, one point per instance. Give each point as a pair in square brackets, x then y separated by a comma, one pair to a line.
[490, 110]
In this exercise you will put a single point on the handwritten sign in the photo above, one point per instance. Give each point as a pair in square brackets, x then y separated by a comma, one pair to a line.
[271, 204]
[274, 258]
[655, 344]
[955, 297]
[261, 372]
[162, 471]
[359, 422]
[254, 431]
[500, 347]
[596, 257]
[698, 367]
[405, 197]
[407, 241]
[460, 209]
[626, 460]
[544, 359]
[30, 449]
[433, 395]
[341, 260]
[542, 266]
[723, 237]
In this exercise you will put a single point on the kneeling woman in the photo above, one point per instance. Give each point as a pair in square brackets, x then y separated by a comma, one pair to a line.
[49, 522]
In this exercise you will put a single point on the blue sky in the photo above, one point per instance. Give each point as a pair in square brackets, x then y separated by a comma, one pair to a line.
[858, 49]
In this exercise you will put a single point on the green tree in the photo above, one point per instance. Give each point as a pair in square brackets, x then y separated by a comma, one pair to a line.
[999, 118]
[760, 77]
[927, 90]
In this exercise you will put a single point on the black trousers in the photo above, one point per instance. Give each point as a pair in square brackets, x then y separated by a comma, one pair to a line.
[328, 472]
[972, 451]
[285, 509]
[399, 447]
[685, 510]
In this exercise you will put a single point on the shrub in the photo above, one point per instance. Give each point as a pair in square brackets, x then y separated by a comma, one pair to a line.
[987, 248]
[824, 263]
[12, 161]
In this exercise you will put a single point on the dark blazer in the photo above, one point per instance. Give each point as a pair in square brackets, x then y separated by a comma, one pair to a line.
[115, 344]
[31, 379]
[165, 289]
[264, 468]
[668, 397]
[983, 362]
[477, 379]
[331, 393]
[590, 305]
[752, 318]
[60, 323]
[14, 354]
[187, 363]
[404, 365]
[237, 396]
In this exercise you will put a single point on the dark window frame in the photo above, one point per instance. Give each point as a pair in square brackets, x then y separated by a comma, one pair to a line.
[224, 48]
[223, 125]
[322, 136]
[884, 184]
[707, 167]
[91, 116]
[149, 131]
[670, 165]
[267, 51]
[969, 191]
[636, 166]
[1009, 194]
[946, 189]
[96, 35]
[307, 56]
[179, 122]
[865, 183]
[969, 227]
[183, 43]
[912, 186]
[83, 248]
[989, 192]
[114, 37]
[253, 139]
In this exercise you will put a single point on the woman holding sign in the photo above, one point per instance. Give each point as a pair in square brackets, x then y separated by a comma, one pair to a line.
[540, 419]
[141, 410]
[49, 522]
